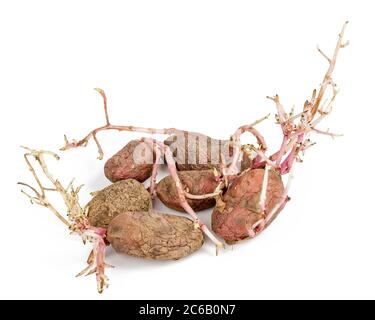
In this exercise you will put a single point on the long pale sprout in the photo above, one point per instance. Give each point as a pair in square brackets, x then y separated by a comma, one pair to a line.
[76, 219]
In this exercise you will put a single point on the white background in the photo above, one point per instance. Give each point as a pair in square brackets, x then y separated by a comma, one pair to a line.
[204, 66]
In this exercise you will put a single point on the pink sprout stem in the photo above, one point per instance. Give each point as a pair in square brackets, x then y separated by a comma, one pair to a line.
[153, 183]
[236, 137]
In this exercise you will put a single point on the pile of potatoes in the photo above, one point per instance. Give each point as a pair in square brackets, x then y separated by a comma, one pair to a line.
[125, 207]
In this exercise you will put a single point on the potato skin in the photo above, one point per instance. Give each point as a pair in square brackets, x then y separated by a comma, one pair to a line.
[125, 195]
[152, 235]
[240, 208]
[123, 164]
[195, 151]
[196, 182]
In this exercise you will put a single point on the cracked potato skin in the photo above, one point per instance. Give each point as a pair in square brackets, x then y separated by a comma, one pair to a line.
[154, 235]
[195, 182]
[239, 210]
[123, 164]
[119, 197]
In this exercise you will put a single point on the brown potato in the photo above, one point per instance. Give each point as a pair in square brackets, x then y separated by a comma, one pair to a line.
[154, 235]
[195, 182]
[134, 161]
[125, 195]
[240, 208]
[194, 151]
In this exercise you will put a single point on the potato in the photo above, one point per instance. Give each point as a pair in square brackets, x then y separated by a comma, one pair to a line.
[125, 195]
[134, 161]
[154, 235]
[195, 182]
[240, 208]
[194, 151]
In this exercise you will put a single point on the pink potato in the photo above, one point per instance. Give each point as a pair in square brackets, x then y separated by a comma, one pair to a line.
[194, 182]
[239, 210]
[134, 161]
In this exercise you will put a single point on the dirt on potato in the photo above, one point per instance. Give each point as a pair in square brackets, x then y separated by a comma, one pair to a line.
[134, 161]
[154, 235]
[194, 182]
[122, 196]
[232, 218]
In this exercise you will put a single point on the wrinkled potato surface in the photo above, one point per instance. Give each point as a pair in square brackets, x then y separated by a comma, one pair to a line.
[154, 235]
